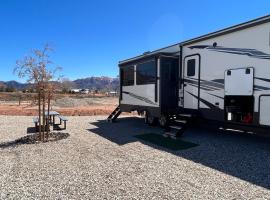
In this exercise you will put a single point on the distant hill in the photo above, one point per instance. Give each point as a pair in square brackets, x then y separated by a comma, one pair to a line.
[99, 83]
[15, 84]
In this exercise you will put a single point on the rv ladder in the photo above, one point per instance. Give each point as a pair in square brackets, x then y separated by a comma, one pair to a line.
[177, 126]
[113, 116]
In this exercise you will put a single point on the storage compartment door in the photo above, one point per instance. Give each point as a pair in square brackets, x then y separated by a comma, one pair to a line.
[239, 82]
[265, 110]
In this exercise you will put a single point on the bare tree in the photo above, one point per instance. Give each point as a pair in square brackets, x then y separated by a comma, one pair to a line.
[67, 85]
[51, 88]
[2, 87]
[19, 96]
[40, 72]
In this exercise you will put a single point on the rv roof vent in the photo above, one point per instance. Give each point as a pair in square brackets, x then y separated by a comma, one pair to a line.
[147, 52]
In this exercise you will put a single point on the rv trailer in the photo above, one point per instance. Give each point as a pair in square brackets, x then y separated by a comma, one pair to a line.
[222, 76]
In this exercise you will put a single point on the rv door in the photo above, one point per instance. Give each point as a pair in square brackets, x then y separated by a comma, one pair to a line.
[169, 83]
[191, 81]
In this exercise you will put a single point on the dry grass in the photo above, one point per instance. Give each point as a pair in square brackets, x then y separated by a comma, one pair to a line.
[73, 105]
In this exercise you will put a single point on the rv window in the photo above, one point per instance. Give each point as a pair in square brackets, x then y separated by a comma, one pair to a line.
[191, 67]
[127, 76]
[146, 73]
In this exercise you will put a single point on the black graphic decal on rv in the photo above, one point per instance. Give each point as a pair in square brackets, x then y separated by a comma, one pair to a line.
[210, 105]
[139, 97]
[207, 85]
[220, 81]
[195, 84]
[216, 86]
[215, 95]
[263, 79]
[239, 51]
[260, 88]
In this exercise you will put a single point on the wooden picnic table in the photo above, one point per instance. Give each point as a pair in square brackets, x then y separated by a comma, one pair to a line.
[52, 114]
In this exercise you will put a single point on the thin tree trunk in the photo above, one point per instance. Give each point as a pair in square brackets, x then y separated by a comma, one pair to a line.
[39, 113]
[44, 117]
[48, 111]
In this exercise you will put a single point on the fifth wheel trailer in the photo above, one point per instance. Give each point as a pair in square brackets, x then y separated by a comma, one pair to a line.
[222, 76]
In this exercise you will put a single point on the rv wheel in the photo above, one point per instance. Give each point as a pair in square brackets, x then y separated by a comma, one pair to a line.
[163, 120]
[149, 119]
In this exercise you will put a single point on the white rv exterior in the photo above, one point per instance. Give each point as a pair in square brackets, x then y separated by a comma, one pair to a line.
[235, 51]
[222, 76]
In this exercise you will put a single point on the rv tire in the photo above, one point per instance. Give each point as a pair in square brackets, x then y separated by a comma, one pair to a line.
[163, 120]
[150, 119]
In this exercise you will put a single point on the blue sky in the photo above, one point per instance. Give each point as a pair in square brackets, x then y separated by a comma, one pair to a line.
[90, 36]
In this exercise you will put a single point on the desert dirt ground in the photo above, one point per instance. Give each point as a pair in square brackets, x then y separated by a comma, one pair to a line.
[101, 160]
[69, 105]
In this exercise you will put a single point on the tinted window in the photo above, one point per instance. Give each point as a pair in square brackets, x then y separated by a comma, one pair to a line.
[146, 73]
[191, 67]
[127, 76]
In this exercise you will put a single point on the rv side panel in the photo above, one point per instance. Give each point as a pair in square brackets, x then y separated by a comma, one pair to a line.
[246, 48]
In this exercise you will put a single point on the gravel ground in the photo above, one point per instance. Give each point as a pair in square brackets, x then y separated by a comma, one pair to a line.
[104, 161]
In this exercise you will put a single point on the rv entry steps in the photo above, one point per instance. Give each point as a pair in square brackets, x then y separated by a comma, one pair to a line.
[177, 126]
[174, 131]
[113, 116]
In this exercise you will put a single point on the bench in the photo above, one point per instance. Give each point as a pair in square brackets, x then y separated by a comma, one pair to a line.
[36, 121]
[64, 119]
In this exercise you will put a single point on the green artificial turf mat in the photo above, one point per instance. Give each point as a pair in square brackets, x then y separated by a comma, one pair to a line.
[167, 143]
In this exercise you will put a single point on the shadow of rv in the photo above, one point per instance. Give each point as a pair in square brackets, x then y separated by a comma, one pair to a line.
[240, 155]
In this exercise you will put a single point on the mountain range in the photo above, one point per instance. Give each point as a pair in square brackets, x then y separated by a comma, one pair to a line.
[98, 83]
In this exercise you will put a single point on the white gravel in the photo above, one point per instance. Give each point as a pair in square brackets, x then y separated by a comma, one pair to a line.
[104, 161]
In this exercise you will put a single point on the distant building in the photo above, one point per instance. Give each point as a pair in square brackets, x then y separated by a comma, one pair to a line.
[85, 91]
[80, 91]
[75, 91]
[111, 93]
